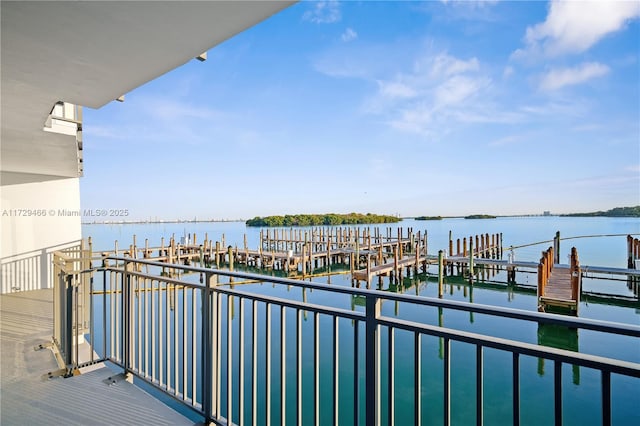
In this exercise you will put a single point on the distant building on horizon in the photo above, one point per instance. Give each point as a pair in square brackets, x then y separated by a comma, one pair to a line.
[546, 213]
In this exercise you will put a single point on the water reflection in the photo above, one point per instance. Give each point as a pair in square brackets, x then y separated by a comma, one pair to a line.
[559, 337]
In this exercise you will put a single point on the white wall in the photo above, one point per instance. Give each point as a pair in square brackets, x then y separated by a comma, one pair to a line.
[37, 219]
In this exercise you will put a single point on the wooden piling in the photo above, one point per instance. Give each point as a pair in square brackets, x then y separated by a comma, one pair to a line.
[440, 273]
[471, 269]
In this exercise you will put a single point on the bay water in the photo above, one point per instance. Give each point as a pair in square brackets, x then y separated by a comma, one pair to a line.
[599, 241]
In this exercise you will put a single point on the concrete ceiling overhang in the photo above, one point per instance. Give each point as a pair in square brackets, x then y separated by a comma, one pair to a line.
[91, 52]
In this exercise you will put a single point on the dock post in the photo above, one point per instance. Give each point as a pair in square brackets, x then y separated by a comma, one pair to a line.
[440, 272]
[230, 254]
[351, 265]
[556, 248]
[304, 258]
[396, 268]
[471, 271]
[426, 245]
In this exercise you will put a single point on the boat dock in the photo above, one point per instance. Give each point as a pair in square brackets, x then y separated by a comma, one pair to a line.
[375, 253]
[559, 286]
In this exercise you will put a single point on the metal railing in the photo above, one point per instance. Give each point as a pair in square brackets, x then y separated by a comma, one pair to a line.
[246, 357]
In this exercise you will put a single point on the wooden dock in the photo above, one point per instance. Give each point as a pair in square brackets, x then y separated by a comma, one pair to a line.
[371, 254]
[559, 287]
[486, 247]
[291, 250]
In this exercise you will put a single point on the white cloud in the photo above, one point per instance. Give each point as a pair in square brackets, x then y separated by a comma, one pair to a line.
[508, 72]
[439, 91]
[575, 26]
[445, 65]
[558, 78]
[473, 3]
[396, 89]
[324, 12]
[349, 35]
[507, 140]
[456, 89]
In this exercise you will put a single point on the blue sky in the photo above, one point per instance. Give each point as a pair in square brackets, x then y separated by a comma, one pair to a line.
[410, 108]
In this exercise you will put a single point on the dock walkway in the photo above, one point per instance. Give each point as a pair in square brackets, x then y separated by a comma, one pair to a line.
[559, 286]
[29, 398]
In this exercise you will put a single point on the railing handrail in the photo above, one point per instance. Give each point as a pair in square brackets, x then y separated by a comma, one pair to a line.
[584, 360]
[520, 314]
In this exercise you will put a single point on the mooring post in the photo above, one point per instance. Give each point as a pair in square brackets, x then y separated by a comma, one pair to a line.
[231, 257]
[471, 271]
[556, 248]
[440, 271]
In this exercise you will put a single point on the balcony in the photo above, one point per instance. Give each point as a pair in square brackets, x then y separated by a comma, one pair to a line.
[231, 347]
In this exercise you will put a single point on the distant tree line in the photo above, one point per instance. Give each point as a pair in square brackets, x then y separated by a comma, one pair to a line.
[321, 219]
[428, 218]
[480, 216]
[615, 212]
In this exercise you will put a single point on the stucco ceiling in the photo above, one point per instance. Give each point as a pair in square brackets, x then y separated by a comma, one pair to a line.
[89, 53]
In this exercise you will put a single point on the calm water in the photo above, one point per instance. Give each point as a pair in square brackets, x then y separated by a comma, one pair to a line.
[516, 231]
[581, 386]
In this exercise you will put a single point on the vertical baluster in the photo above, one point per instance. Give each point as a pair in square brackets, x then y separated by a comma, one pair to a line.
[516, 388]
[299, 366]
[194, 329]
[254, 364]
[138, 328]
[185, 355]
[218, 363]
[316, 367]
[146, 327]
[335, 371]
[229, 361]
[557, 391]
[267, 338]
[479, 385]
[241, 366]
[283, 366]
[447, 382]
[176, 342]
[606, 397]
[356, 384]
[417, 362]
[160, 336]
[391, 378]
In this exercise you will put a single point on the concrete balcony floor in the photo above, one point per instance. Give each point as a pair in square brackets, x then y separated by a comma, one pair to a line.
[27, 397]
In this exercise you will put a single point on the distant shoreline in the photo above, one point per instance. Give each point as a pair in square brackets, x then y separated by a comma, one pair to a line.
[142, 222]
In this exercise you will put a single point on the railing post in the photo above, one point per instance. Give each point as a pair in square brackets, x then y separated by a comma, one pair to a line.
[67, 344]
[126, 321]
[372, 361]
[206, 351]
